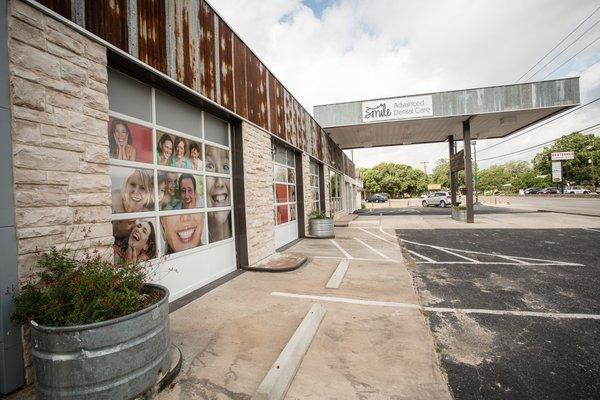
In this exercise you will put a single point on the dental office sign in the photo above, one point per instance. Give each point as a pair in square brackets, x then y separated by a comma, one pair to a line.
[398, 108]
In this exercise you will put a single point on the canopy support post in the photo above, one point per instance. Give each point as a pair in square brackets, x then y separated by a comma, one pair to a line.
[468, 170]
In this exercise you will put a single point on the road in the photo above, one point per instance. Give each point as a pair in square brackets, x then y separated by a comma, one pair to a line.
[586, 206]
[583, 206]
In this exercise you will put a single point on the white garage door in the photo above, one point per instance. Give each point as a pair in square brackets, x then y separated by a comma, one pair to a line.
[284, 192]
[171, 186]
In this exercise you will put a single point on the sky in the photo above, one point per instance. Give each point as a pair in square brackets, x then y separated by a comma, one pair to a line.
[327, 51]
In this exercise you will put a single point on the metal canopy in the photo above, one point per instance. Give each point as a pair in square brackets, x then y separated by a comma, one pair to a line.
[495, 112]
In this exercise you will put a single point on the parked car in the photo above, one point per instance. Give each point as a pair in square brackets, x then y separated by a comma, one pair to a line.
[549, 190]
[376, 198]
[576, 190]
[532, 190]
[440, 199]
[387, 196]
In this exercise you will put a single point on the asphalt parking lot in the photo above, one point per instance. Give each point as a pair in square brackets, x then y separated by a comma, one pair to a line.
[528, 300]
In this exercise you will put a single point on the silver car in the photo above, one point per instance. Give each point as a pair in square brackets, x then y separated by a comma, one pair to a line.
[440, 199]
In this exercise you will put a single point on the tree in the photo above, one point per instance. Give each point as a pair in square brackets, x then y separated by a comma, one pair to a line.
[493, 178]
[578, 169]
[396, 179]
[441, 174]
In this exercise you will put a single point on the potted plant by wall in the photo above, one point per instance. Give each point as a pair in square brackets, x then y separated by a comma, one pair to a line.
[459, 213]
[320, 226]
[98, 330]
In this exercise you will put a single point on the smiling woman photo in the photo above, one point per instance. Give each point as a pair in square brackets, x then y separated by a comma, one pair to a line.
[119, 141]
[136, 194]
[164, 149]
[182, 232]
[179, 158]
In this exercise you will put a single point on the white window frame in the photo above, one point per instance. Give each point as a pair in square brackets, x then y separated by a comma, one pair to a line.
[155, 168]
[288, 184]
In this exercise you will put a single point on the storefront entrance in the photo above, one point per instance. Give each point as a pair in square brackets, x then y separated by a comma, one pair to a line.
[170, 169]
[285, 195]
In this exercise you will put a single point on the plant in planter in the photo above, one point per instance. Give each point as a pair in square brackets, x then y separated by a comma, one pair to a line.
[320, 226]
[97, 329]
[459, 213]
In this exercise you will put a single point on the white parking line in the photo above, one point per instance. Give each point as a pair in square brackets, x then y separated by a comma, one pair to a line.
[519, 260]
[374, 250]
[429, 260]
[357, 259]
[377, 236]
[498, 263]
[439, 309]
[591, 229]
[344, 252]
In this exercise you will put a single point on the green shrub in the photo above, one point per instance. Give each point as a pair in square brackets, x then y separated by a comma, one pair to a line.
[68, 291]
[318, 215]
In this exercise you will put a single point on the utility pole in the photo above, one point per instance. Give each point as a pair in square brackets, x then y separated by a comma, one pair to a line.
[425, 166]
[476, 180]
[591, 162]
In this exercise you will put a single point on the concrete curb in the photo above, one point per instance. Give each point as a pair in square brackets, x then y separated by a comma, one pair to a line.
[290, 267]
[338, 275]
[279, 378]
[568, 212]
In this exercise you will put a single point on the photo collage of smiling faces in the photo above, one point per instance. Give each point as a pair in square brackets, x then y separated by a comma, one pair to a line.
[189, 174]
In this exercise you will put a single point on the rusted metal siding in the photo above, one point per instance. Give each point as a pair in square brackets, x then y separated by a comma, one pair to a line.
[320, 144]
[152, 33]
[302, 143]
[186, 44]
[240, 93]
[207, 51]
[288, 111]
[226, 62]
[276, 107]
[62, 7]
[108, 20]
[185, 39]
[256, 74]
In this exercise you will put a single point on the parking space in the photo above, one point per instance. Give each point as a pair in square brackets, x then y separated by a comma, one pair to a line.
[373, 343]
[515, 312]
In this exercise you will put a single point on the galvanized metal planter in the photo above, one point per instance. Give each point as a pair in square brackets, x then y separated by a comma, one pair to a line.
[459, 215]
[321, 227]
[116, 359]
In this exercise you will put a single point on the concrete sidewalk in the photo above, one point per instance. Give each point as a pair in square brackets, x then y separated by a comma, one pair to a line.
[373, 343]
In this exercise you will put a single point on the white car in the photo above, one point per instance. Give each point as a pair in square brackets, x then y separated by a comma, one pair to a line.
[440, 199]
[576, 190]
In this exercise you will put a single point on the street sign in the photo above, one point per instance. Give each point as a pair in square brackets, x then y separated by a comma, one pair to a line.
[457, 161]
[556, 171]
[562, 155]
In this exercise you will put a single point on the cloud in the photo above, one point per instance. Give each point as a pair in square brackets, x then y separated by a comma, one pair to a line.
[348, 50]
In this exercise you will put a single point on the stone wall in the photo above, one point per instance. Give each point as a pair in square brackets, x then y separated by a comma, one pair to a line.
[307, 190]
[59, 106]
[326, 182]
[258, 187]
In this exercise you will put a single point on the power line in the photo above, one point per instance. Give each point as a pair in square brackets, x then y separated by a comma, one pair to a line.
[559, 43]
[539, 126]
[537, 145]
[563, 50]
[576, 54]
[519, 151]
[589, 128]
